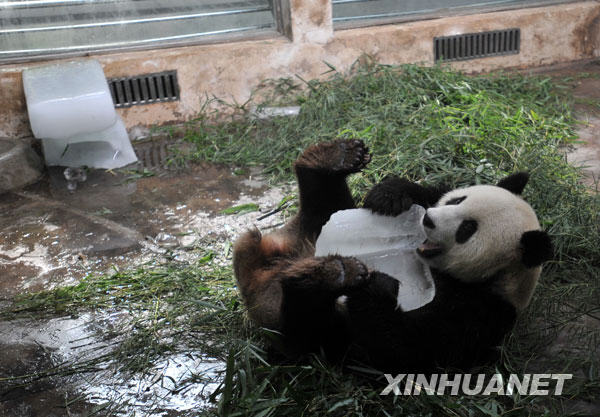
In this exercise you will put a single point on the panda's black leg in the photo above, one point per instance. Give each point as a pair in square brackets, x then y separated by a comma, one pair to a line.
[394, 195]
[321, 172]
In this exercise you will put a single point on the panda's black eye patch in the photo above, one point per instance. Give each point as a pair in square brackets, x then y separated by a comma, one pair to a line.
[455, 201]
[466, 229]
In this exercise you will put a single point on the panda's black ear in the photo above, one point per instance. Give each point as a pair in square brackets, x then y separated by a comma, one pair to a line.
[536, 248]
[515, 183]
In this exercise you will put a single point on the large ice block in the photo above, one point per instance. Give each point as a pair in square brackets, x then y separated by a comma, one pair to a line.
[383, 243]
[67, 99]
[109, 148]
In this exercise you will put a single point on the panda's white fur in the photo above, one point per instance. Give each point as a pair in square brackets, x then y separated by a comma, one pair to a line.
[502, 217]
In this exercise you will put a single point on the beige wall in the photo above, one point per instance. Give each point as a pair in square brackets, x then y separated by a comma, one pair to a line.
[231, 70]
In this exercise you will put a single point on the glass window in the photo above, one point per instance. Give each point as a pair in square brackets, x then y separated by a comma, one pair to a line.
[346, 12]
[38, 27]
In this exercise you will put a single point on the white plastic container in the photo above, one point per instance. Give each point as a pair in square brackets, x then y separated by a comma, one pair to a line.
[68, 99]
[383, 243]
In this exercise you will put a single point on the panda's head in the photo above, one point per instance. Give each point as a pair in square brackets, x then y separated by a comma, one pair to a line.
[482, 231]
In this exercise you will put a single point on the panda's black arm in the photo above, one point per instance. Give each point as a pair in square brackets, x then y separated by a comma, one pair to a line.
[394, 195]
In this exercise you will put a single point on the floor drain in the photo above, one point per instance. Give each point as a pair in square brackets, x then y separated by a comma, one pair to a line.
[153, 154]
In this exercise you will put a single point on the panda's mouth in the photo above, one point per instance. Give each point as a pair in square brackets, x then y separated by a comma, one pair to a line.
[429, 249]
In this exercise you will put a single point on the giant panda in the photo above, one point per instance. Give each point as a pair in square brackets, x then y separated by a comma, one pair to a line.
[484, 247]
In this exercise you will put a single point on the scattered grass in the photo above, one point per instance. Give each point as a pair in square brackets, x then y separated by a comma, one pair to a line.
[133, 175]
[428, 124]
[583, 75]
[241, 209]
[103, 212]
[591, 102]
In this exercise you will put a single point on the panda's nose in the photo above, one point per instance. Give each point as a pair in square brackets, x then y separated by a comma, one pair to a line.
[427, 222]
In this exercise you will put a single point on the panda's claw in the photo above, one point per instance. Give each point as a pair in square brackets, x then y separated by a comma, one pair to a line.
[361, 161]
[353, 272]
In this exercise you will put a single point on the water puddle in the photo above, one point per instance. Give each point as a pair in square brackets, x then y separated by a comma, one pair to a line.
[179, 383]
[174, 384]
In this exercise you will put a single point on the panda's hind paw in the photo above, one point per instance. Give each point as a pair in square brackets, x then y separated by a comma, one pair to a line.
[342, 156]
[352, 272]
[354, 157]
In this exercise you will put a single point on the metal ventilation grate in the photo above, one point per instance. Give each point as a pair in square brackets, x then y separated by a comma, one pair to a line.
[144, 89]
[477, 45]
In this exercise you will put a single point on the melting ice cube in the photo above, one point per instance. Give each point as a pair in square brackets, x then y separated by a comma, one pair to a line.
[386, 244]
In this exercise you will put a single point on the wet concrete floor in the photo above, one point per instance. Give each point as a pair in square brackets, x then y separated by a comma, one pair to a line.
[51, 237]
[50, 234]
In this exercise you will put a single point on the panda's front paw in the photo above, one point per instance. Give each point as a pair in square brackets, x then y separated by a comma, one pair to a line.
[390, 197]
